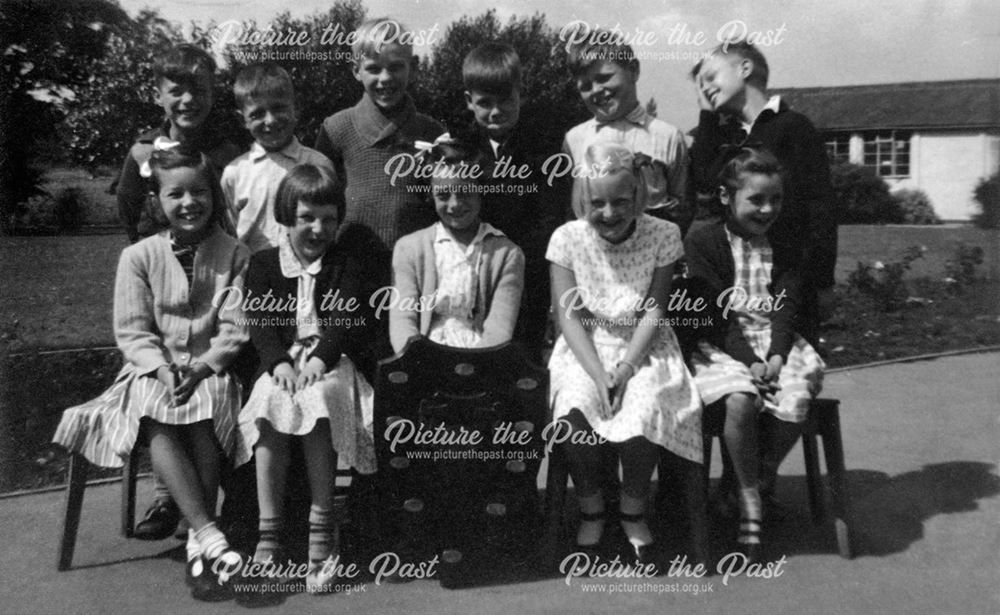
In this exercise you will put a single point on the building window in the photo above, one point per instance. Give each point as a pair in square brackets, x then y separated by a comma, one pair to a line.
[838, 147]
[888, 153]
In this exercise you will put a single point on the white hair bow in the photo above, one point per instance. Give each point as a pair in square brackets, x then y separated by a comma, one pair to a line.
[426, 148]
[159, 144]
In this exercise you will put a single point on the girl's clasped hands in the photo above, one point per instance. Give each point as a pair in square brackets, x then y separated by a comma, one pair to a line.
[182, 380]
[286, 377]
[765, 376]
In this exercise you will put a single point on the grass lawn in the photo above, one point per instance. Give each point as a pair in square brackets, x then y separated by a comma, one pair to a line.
[57, 293]
[100, 206]
[886, 243]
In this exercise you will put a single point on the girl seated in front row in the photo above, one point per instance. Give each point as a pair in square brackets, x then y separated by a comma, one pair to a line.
[311, 349]
[616, 369]
[752, 359]
[468, 274]
[178, 335]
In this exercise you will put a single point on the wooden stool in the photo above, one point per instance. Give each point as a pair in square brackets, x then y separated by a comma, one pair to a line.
[76, 483]
[822, 421]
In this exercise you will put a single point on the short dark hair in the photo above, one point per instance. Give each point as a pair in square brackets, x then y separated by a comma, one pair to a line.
[749, 161]
[177, 157]
[744, 50]
[310, 183]
[182, 63]
[494, 68]
[601, 46]
[262, 81]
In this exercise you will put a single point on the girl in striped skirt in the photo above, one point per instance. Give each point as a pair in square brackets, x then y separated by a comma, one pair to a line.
[752, 360]
[178, 331]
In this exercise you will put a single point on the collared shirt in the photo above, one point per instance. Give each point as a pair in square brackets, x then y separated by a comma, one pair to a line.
[773, 105]
[250, 185]
[640, 132]
[306, 315]
[458, 270]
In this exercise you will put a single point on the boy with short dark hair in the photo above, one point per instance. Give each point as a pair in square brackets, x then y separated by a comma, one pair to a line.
[184, 78]
[606, 72]
[526, 207]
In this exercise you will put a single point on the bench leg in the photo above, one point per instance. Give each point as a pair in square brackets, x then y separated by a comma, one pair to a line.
[76, 483]
[833, 450]
[129, 473]
[814, 479]
[555, 505]
[696, 494]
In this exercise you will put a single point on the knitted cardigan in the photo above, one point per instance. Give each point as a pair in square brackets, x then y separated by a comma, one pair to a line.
[501, 281]
[346, 319]
[711, 270]
[160, 319]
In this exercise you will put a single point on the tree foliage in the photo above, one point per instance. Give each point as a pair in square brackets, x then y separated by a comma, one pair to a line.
[94, 66]
[47, 47]
[117, 100]
[987, 195]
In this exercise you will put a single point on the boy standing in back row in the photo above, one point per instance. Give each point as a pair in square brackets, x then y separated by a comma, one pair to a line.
[737, 112]
[526, 208]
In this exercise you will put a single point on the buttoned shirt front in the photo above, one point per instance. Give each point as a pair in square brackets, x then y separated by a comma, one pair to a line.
[250, 185]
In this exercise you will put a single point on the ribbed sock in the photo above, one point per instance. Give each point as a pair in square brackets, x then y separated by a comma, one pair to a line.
[269, 543]
[322, 524]
[192, 547]
[750, 515]
[213, 542]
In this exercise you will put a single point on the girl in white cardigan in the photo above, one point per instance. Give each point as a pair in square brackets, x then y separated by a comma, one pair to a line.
[459, 281]
[178, 333]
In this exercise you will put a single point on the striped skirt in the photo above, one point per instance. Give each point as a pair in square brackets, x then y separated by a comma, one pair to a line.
[105, 429]
[716, 374]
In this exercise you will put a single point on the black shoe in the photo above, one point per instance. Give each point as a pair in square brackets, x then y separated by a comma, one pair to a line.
[205, 584]
[160, 521]
[640, 556]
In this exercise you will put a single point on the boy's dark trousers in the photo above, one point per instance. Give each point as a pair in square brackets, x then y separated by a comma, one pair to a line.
[533, 319]
[240, 513]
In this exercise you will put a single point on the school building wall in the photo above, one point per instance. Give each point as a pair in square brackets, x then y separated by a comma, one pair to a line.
[948, 166]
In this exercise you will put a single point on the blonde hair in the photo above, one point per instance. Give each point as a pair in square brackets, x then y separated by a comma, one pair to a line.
[604, 159]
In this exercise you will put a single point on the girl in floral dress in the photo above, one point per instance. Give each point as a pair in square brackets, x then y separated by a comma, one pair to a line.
[617, 373]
